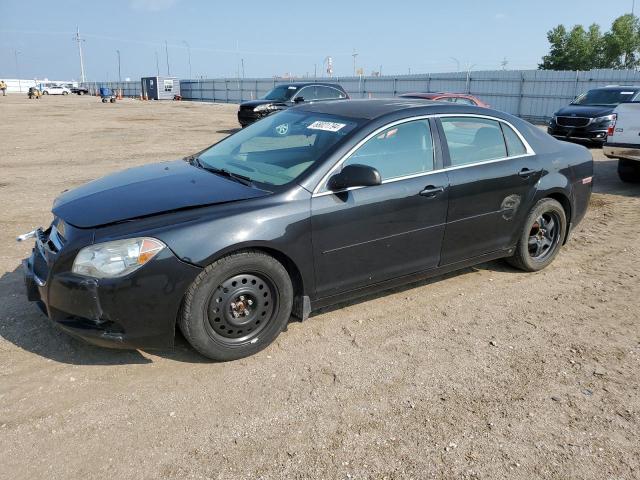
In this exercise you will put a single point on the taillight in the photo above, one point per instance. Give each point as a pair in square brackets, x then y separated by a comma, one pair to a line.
[612, 125]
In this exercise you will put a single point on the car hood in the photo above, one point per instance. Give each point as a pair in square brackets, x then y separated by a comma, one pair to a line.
[255, 103]
[148, 190]
[585, 111]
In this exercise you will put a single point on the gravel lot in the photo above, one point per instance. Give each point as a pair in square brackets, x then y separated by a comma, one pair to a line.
[486, 373]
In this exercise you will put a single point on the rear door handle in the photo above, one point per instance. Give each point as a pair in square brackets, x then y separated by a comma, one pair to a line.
[431, 191]
[527, 172]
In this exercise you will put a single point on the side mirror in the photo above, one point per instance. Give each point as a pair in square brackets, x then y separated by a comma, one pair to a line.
[298, 100]
[355, 176]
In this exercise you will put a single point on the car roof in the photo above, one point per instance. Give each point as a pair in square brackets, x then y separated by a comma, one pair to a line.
[370, 109]
[617, 87]
[435, 94]
[304, 84]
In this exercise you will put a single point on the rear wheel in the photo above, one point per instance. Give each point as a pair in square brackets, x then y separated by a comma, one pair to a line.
[629, 170]
[45, 93]
[544, 231]
[237, 306]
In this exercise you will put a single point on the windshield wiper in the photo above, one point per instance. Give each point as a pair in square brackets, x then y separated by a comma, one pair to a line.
[226, 173]
[196, 162]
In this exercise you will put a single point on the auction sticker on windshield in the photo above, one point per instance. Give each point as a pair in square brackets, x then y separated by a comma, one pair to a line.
[326, 126]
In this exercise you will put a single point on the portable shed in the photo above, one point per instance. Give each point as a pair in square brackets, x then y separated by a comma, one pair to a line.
[160, 88]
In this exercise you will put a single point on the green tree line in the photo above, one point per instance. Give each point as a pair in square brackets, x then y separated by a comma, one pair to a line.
[588, 48]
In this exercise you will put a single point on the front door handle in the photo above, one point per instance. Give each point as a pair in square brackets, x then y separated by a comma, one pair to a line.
[527, 172]
[430, 191]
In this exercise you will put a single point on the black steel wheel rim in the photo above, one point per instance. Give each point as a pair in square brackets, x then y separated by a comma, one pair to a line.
[240, 308]
[544, 236]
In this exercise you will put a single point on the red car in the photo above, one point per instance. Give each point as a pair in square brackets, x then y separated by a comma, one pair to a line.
[461, 98]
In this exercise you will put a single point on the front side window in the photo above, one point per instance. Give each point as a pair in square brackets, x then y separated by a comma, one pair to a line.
[309, 94]
[472, 140]
[281, 93]
[279, 148]
[401, 150]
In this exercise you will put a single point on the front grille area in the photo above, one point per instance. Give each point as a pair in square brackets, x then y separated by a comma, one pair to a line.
[573, 121]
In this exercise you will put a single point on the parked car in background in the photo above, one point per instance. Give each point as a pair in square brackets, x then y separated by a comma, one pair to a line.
[55, 90]
[459, 98]
[590, 115]
[306, 208]
[79, 90]
[286, 95]
[623, 141]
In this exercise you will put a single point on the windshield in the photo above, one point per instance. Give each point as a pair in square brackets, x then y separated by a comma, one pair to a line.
[281, 93]
[278, 148]
[605, 98]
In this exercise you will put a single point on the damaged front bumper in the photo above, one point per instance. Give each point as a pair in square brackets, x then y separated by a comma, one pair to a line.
[135, 311]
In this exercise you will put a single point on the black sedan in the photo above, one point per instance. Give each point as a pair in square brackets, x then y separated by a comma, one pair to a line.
[307, 208]
[287, 95]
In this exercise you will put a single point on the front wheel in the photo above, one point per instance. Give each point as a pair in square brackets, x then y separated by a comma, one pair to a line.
[542, 236]
[65, 93]
[237, 306]
[629, 170]
[45, 93]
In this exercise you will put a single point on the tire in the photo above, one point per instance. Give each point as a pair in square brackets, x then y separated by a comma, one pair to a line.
[540, 241]
[45, 93]
[65, 93]
[104, 100]
[629, 170]
[237, 306]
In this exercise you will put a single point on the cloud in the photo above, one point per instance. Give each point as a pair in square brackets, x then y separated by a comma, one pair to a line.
[152, 5]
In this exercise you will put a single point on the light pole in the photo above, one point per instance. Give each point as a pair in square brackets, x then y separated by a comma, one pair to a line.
[119, 75]
[457, 63]
[189, 56]
[15, 53]
[157, 64]
[354, 55]
[166, 51]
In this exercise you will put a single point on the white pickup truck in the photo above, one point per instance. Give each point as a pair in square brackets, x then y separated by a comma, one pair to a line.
[623, 141]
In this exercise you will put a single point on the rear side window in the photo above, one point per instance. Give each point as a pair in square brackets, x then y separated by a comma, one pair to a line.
[514, 144]
[329, 93]
[401, 150]
[465, 101]
[472, 140]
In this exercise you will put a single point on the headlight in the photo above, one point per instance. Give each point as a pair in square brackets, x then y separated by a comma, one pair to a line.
[606, 118]
[116, 259]
[266, 106]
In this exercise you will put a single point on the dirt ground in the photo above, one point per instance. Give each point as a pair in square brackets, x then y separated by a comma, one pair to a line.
[486, 373]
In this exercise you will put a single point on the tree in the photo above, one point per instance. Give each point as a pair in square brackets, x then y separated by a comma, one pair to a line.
[586, 49]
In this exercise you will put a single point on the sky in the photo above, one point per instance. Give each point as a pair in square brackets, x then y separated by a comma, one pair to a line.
[278, 37]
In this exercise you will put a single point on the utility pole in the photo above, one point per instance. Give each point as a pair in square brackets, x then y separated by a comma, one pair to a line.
[504, 63]
[166, 51]
[157, 64]
[15, 53]
[119, 75]
[457, 63]
[242, 63]
[354, 55]
[80, 40]
[189, 56]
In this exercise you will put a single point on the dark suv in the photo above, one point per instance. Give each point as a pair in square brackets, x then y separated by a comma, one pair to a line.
[286, 95]
[589, 116]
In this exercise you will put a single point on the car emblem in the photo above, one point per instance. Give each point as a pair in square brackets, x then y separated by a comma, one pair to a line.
[282, 129]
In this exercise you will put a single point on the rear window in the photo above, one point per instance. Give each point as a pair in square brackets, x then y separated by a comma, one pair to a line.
[473, 140]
